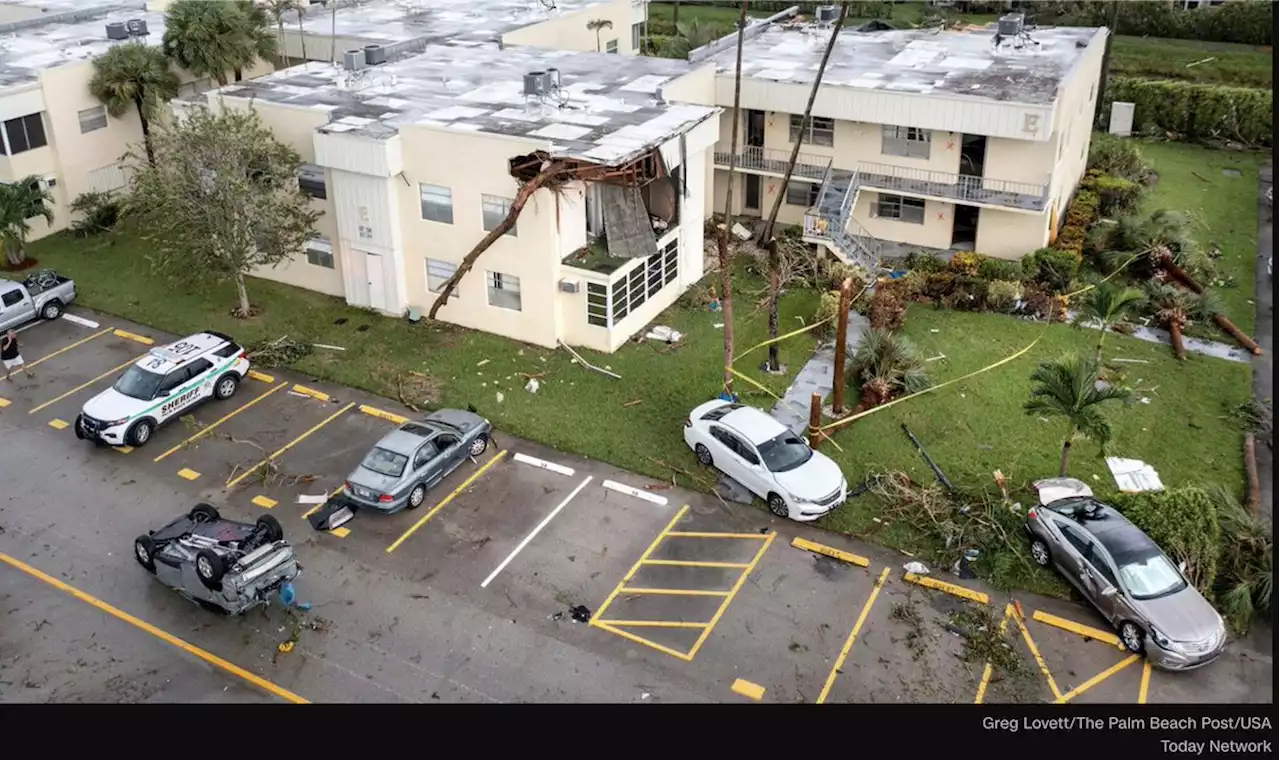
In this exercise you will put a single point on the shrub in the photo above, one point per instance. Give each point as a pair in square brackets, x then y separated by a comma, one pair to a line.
[1246, 578]
[1115, 194]
[1081, 214]
[1050, 268]
[1036, 302]
[1118, 157]
[828, 307]
[919, 261]
[938, 284]
[1194, 111]
[835, 272]
[888, 308]
[969, 294]
[1000, 269]
[966, 262]
[1183, 522]
[1247, 22]
[99, 212]
[1003, 295]
[911, 284]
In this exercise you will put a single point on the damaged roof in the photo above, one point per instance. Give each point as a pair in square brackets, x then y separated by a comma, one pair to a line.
[459, 22]
[610, 110]
[81, 35]
[965, 63]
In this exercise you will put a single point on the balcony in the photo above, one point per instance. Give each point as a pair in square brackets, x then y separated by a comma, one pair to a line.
[962, 188]
[772, 161]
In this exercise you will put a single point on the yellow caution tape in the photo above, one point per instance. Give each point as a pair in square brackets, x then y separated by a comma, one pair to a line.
[803, 413]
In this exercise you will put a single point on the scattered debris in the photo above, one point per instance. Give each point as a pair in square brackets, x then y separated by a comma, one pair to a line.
[278, 353]
[928, 459]
[1131, 361]
[1134, 475]
[310, 499]
[556, 616]
[482, 362]
[664, 334]
[718, 325]
[657, 487]
[583, 362]
[533, 385]
[1199, 177]
[1144, 400]
[630, 404]
[580, 614]
[742, 233]
[961, 567]
[916, 568]
[326, 345]
[1202, 60]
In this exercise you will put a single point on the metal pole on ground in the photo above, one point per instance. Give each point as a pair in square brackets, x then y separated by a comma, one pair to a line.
[842, 334]
[815, 420]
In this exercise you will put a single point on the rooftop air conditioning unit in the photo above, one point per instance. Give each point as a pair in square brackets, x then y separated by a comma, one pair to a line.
[1010, 25]
[353, 60]
[569, 286]
[117, 31]
[536, 83]
[375, 54]
[827, 14]
[136, 27]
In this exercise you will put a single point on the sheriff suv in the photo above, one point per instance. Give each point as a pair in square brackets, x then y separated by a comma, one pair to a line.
[161, 386]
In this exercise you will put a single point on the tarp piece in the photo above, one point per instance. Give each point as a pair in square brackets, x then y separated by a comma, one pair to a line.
[1134, 475]
[626, 223]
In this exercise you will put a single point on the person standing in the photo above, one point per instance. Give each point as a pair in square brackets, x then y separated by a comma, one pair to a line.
[10, 355]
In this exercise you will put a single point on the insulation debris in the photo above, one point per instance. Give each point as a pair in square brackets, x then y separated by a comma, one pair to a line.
[1134, 475]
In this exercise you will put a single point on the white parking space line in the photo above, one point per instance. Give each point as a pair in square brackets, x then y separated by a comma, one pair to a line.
[636, 492]
[544, 464]
[79, 320]
[535, 532]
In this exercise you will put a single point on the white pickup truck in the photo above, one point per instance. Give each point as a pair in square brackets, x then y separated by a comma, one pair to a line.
[43, 295]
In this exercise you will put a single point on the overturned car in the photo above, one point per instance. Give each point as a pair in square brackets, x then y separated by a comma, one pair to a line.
[224, 566]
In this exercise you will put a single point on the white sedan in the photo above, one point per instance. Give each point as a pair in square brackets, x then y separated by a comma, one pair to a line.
[766, 458]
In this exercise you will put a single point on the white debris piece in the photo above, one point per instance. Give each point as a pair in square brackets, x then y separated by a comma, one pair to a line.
[1134, 475]
[741, 232]
[533, 385]
[310, 499]
[500, 397]
[664, 334]
[916, 568]
[326, 345]
[482, 362]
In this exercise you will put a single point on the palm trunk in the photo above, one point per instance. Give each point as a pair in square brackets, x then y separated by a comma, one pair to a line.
[1175, 340]
[522, 197]
[1180, 274]
[675, 13]
[302, 36]
[146, 131]
[284, 58]
[14, 254]
[775, 287]
[722, 240]
[333, 32]
[1097, 350]
[1253, 497]
[245, 311]
[1066, 452]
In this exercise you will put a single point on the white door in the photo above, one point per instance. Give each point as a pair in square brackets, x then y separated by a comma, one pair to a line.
[377, 289]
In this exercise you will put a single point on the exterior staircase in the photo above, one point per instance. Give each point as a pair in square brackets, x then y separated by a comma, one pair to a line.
[830, 222]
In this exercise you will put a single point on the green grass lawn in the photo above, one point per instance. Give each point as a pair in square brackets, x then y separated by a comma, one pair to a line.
[1226, 212]
[1156, 58]
[976, 427]
[575, 410]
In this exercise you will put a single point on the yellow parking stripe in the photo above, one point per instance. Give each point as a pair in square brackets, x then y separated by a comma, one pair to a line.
[208, 657]
[656, 624]
[698, 534]
[465, 484]
[672, 591]
[629, 636]
[1092, 682]
[235, 481]
[1071, 626]
[59, 424]
[207, 428]
[264, 502]
[1035, 653]
[636, 567]
[122, 449]
[64, 349]
[312, 392]
[950, 588]
[747, 689]
[82, 386]
[144, 340]
[695, 563]
[987, 669]
[1146, 681]
[828, 551]
[4, 402]
[341, 532]
[853, 636]
[388, 416]
[261, 376]
[732, 593]
[188, 474]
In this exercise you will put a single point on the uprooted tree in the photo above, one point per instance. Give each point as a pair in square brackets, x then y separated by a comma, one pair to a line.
[221, 199]
[537, 171]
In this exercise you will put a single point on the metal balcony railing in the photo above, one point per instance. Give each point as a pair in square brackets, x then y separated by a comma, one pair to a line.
[773, 161]
[955, 187]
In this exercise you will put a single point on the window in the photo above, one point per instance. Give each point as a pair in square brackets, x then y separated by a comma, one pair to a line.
[900, 209]
[437, 203]
[495, 209]
[438, 273]
[12, 297]
[1077, 541]
[425, 454]
[198, 367]
[606, 306]
[717, 414]
[611, 46]
[637, 36]
[24, 133]
[92, 119]
[803, 193]
[1103, 569]
[908, 142]
[821, 131]
[365, 232]
[504, 291]
[320, 252]
[311, 181]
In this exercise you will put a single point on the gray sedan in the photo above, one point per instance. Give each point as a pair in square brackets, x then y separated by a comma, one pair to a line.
[397, 472]
[1122, 573]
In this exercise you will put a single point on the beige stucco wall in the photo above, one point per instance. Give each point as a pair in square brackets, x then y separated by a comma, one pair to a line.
[1073, 125]
[935, 232]
[1009, 234]
[569, 30]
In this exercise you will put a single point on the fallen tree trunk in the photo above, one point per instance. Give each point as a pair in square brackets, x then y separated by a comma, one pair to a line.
[1253, 498]
[1175, 340]
[1180, 275]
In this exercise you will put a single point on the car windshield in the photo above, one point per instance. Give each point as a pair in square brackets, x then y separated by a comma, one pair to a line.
[784, 453]
[385, 462]
[1151, 577]
[139, 383]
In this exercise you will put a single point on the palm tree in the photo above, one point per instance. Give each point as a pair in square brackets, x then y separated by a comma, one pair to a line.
[277, 9]
[212, 37]
[134, 75]
[884, 366]
[302, 35]
[690, 35]
[1175, 309]
[1107, 305]
[724, 253]
[595, 25]
[1068, 388]
[20, 202]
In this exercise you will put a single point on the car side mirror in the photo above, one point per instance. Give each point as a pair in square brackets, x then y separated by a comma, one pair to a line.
[164, 391]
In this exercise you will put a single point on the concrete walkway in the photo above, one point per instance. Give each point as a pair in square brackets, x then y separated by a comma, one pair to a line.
[815, 377]
[1264, 332]
[1194, 345]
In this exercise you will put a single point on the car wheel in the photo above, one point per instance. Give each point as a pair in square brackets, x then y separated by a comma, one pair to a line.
[144, 549]
[417, 496]
[271, 526]
[1132, 637]
[478, 446]
[1040, 552]
[210, 568]
[140, 433]
[203, 513]
[79, 428]
[226, 387]
[778, 506]
[704, 455]
[51, 310]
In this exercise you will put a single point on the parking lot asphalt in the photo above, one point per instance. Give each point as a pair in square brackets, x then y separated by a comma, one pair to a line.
[527, 575]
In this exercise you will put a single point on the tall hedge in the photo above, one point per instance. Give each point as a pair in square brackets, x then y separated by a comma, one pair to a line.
[1250, 22]
[1194, 111]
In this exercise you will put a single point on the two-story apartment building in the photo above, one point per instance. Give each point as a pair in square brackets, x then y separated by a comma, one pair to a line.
[971, 139]
[415, 160]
